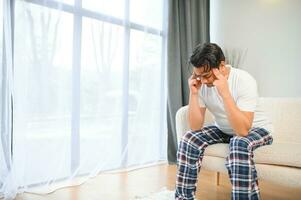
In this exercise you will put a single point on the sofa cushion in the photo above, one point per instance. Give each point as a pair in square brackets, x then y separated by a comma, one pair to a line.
[286, 154]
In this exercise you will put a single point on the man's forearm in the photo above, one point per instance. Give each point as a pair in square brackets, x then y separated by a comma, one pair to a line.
[238, 121]
[195, 117]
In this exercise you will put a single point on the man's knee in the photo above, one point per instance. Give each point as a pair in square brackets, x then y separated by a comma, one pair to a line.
[188, 136]
[241, 143]
[193, 138]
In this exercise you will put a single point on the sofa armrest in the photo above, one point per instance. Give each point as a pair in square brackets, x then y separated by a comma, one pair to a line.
[182, 125]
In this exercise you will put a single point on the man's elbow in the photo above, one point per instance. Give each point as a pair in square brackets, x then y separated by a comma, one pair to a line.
[195, 126]
[243, 132]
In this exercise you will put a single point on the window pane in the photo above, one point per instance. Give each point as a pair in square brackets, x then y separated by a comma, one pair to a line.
[42, 85]
[101, 95]
[146, 12]
[113, 8]
[71, 2]
[2, 150]
[144, 97]
[1, 35]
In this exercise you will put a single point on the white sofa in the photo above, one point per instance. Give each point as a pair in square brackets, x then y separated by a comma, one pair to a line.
[279, 162]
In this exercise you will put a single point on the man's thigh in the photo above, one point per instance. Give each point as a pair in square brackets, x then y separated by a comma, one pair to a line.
[208, 134]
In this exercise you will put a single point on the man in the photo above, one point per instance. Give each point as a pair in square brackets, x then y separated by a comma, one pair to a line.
[230, 94]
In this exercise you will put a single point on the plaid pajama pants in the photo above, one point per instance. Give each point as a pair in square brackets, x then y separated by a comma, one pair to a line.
[239, 162]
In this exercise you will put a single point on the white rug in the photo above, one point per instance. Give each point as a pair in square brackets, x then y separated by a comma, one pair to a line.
[164, 194]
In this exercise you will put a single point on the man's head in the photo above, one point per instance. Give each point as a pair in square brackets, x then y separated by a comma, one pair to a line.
[204, 58]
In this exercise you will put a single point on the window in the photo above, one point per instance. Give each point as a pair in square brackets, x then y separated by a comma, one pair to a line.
[89, 86]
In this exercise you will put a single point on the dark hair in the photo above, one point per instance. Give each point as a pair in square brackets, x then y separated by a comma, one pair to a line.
[208, 55]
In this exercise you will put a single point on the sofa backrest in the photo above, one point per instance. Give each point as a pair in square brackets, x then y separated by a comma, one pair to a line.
[285, 114]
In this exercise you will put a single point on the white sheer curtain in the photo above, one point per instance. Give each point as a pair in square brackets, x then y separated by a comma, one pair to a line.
[88, 90]
[6, 77]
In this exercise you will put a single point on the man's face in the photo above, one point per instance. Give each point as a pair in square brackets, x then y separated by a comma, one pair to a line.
[206, 77]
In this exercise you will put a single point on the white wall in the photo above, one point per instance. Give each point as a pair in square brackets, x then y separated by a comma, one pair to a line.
[270, 30]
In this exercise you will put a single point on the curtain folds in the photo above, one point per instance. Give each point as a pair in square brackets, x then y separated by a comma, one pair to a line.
[6, 85]
[83, 90]
[188, 25]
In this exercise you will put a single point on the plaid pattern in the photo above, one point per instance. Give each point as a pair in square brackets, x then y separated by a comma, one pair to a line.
[239, 162]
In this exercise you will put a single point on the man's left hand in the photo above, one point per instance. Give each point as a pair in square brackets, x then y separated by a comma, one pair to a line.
[221, 83]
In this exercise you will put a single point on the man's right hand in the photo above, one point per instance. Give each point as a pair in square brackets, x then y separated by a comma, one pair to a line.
[194, 85]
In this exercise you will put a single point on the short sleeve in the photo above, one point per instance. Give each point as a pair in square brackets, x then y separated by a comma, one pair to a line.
[247, 94]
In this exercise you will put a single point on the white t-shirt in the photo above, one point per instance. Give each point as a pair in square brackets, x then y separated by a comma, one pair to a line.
[243, 89]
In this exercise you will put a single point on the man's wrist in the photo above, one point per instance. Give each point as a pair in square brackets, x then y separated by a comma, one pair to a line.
[193, 94]
[226, 95]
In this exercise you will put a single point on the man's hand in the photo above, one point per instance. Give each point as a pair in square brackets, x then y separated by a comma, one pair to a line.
[194, 84]
[221, 84]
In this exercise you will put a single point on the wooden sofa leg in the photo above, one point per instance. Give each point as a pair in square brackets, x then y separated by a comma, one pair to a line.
[217, 178]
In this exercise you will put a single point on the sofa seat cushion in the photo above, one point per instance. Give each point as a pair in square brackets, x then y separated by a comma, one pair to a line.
[285, 154]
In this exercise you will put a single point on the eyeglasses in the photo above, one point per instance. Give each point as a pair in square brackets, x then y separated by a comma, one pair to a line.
[206, 75]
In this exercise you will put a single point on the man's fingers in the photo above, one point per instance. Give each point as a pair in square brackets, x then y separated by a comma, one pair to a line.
[217, 73]
[194, 82]
[194, 78]
[214, 83]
